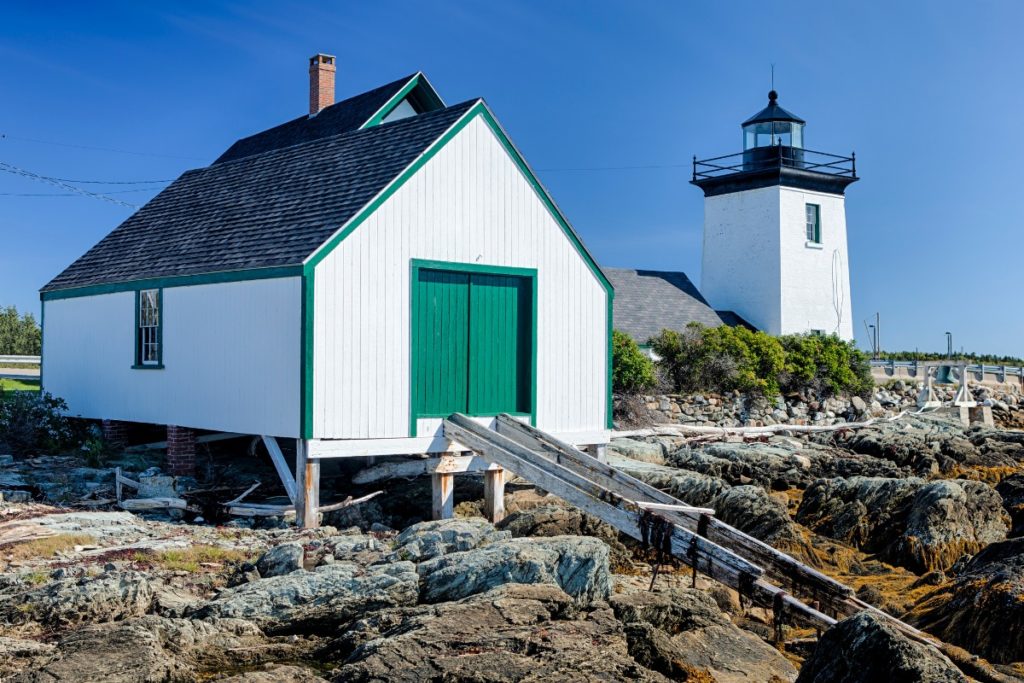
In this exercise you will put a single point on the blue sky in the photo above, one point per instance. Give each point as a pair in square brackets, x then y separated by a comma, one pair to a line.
[927, 93]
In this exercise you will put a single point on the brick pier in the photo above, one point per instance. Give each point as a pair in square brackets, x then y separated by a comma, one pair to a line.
[181, 451]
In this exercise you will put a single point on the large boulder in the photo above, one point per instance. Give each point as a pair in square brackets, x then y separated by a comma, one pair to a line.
[578, 565]
[281, 559]
[427, 540]
[644, 451]
[681, 632]
[1011, 490]
[562, 520]
[692, 488]
[917, 524]
[982, 610]
[753, 510]
[67, 602]
[510, 633]
[330, 595]
[865, 649]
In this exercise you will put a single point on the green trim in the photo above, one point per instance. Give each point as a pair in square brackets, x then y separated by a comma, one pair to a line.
[478, 109]
[306, 360]
[173, 281]
[608, 357]
[159, 365]
[42, 343]
[415, 266]
[425, 92]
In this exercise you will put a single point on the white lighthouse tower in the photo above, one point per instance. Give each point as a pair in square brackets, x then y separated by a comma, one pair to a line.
[775, 229]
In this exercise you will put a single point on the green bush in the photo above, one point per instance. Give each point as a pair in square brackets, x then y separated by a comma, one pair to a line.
[632, 370]
[734, 358]
[825, 365]
[36, 422]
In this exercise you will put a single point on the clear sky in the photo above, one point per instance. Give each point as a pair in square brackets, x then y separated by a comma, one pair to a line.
[929, 95]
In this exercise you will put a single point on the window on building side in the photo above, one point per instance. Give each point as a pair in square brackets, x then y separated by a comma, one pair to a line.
[814, 223]
[148, 337]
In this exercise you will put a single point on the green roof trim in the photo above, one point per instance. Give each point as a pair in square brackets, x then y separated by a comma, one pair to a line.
[418, 89]
[173, 281]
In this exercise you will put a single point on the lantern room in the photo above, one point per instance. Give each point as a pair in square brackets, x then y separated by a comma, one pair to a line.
[773, 126]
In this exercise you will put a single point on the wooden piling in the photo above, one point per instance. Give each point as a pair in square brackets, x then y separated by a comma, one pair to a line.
[443, 503]
[494, 495]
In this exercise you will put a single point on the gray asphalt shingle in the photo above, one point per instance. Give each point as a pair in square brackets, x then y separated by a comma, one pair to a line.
[267, 209]
[648, 301]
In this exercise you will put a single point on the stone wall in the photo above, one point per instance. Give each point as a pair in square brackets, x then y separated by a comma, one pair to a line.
[737, 409]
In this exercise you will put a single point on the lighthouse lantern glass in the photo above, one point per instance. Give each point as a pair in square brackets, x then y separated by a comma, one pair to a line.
[771, 133]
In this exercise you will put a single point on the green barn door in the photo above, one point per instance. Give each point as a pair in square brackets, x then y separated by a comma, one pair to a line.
[472, 343]
[440, 327]
[500, 341]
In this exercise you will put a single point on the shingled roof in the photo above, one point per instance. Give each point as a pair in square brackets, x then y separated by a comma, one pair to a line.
[341, 117]
[262, 209]
[648, 301]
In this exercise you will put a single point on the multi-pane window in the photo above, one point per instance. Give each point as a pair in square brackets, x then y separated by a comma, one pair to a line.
[147, 333]
[814, 223]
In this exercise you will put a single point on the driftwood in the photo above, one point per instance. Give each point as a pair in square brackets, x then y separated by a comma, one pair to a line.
[239, 498]
[18, 532]
[154, 504]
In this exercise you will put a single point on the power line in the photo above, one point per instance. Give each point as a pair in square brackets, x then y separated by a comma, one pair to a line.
[618, 168]
[115, 182]
[71, 194]
[98, 149]
[10, 168]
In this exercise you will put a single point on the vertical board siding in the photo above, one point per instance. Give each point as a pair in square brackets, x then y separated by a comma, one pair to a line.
[469, 204]
[230, 353]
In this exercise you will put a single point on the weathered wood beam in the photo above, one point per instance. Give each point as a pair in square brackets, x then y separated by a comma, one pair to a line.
[402, 469]
[154, 504]
[494, 495]
[442, 504]
[307, 471]
[281, 465]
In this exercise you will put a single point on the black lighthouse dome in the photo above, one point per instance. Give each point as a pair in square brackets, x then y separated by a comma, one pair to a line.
[773, 126]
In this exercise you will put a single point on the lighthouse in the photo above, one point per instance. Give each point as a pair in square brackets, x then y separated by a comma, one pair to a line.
[775, 229]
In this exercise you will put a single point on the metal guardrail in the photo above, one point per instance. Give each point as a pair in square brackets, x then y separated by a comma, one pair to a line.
[979, 370]
[765, 158]
[20, 360]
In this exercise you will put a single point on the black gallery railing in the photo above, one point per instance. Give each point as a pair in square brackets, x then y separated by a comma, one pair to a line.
[768, 158]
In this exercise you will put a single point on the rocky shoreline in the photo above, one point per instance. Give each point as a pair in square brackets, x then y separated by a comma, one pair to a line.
[923, 517]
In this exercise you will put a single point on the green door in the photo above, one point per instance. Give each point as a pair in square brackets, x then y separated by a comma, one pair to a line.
[472, 343]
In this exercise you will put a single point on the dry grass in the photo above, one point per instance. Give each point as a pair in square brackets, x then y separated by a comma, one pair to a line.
[989, 475]
[47, 547]
[192, 559]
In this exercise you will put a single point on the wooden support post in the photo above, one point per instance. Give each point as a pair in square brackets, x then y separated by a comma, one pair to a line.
[307, 499]
[277, 457]
[599, 451]
[494, 495]
[443, 503]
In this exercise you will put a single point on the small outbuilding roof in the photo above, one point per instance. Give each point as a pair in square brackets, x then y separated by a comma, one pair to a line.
[271, 202]
[648, 301]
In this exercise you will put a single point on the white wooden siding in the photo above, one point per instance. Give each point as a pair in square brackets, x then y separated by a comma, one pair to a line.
[468, 204]
[231, 357]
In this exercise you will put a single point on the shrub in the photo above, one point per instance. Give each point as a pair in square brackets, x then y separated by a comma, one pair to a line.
[632, 370]
[719, 359]
[33, 422]
[735, 358]
[825, 365]
[19, 334]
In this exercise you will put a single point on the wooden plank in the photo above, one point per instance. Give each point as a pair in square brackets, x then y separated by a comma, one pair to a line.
[494, 495]
[453, 464]
[235, 501]
[281, 465]
[349, 502]
[621, 513]
[442, 499]
[154, 504]
[775, 562]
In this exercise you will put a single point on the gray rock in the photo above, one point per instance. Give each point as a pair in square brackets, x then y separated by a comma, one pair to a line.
[561, 520]
[282, 673]
[281, 559]
[858, 404]
[864, 649]
[344, 547]
[638, 450]
[6, 460]
[330, 595]
[511, 633]
[577, 565]
[18, 655]
[686, 627]
[428, 540]
[68, 602]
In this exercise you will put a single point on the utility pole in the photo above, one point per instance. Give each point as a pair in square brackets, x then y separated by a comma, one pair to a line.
[878, 334]
[949, 344]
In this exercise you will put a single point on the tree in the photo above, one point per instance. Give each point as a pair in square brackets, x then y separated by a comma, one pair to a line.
[19, 334]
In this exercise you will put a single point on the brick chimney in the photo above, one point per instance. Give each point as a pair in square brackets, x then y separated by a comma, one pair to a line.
[321, 83]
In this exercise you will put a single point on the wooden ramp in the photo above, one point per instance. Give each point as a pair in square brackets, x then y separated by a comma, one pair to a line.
[691, 535]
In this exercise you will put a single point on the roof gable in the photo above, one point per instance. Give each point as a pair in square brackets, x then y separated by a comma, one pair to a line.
[648, 301]
[360, 111]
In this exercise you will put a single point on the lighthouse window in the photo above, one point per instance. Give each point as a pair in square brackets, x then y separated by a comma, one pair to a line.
[814, 223]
